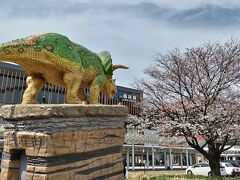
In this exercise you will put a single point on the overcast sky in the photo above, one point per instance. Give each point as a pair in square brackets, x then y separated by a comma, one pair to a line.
[134, 31]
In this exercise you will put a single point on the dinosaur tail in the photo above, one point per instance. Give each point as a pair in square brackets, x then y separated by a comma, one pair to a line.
[12, 54]
[34, 56]
[18, 50]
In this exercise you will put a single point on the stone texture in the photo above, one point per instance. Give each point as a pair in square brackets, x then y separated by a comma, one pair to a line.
[9, 174]
[32, 111]
[52, 125]
[66, 142]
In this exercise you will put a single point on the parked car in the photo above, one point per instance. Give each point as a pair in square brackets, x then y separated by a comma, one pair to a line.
[230, 169]
[235, 163]
[203, 169]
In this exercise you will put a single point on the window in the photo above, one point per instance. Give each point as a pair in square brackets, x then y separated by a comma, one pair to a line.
[228, 165]
[129, 96]
[205, 165]
[197, 165]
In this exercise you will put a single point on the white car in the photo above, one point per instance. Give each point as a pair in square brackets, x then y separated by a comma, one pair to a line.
[203, 169]
[230, 169]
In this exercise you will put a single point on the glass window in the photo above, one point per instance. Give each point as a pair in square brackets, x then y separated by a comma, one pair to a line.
[205, 165]
[197, 165]
[1, 90]
[54, 98]
[16, 98]
[8, 92]
[41, 97]
[228, 165]
[61, 98]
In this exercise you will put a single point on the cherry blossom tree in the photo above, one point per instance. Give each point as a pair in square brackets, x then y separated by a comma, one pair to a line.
[196, 94]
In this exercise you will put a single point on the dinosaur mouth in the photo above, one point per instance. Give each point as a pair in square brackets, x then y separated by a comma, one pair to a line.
[113, 93]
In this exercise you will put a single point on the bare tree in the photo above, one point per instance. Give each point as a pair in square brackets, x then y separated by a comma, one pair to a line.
[197, 93]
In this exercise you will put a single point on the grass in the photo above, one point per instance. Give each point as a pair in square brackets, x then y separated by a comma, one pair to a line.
[158, 176]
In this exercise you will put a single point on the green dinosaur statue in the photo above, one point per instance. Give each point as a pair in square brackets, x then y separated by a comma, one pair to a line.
[53, 58]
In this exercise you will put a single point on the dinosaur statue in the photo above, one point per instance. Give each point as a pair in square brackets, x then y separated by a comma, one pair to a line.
[53, 58]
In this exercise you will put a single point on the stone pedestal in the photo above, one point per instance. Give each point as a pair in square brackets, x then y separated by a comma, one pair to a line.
[67, 142]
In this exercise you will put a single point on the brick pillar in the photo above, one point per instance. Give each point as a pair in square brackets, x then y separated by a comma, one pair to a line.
[67, 142]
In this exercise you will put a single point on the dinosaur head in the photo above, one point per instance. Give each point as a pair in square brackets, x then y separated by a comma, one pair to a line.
[109, 89]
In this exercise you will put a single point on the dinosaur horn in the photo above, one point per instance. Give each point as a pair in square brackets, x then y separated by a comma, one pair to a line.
[118, 66]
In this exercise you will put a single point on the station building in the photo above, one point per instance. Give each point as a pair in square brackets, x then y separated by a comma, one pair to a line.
[146, 149]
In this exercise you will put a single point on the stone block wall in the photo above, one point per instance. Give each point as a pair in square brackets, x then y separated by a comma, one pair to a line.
[64, 142]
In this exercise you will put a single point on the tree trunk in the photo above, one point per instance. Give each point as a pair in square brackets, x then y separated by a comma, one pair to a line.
[214, 160]
[215, 167]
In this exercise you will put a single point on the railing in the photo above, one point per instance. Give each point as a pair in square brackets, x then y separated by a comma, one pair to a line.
[13, 84]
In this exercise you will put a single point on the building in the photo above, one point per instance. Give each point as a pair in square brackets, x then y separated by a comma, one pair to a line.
[141, 150]
[147, 149]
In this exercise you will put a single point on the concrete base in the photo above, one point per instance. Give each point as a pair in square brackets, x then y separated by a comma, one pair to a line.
[64, 142]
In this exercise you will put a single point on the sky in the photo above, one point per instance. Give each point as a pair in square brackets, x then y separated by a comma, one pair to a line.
[133, 31]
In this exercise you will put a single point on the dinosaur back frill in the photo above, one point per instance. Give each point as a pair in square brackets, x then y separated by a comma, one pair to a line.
[105, 56]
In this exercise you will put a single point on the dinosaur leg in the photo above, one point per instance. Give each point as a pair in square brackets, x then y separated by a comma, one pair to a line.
[34, 84]
[72, 82]
[80, 94]
[95, 90]
[94, 94]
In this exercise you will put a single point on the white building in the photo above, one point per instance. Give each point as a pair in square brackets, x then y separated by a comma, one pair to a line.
[150, 151]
